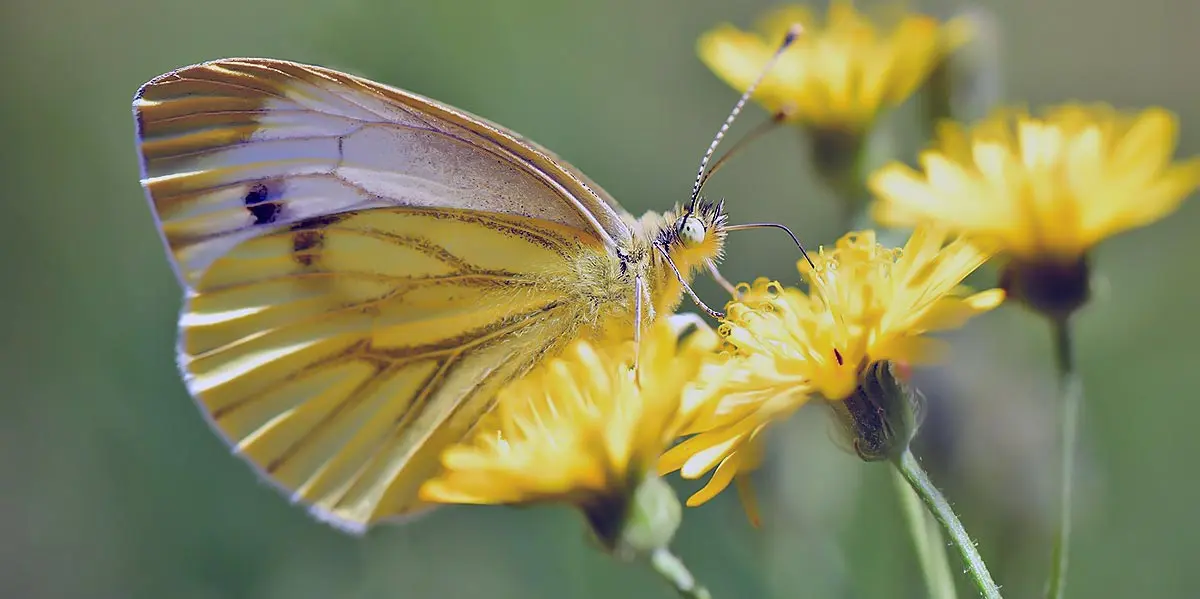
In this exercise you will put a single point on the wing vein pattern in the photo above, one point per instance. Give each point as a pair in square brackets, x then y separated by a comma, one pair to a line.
[342, 370]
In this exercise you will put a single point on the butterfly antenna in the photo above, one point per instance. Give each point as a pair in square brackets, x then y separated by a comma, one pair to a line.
[790, 37]
[762, 129]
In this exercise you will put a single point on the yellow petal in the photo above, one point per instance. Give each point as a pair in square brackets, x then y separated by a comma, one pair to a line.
[1164, 197]
[1149, 141]
[911, 349]
[723, 443]
[954, 313]
[902, 188]
[681, 454]
[916, 40]
[957, 32]
[736, 57]
[749, 498]
[439, 492]
[987, 300]
[720, 479]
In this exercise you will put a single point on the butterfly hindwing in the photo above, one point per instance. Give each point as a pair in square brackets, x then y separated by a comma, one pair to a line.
[339, 355]
[233, 147]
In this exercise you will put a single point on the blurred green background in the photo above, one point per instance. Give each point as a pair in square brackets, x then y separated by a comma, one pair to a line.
[114, 488]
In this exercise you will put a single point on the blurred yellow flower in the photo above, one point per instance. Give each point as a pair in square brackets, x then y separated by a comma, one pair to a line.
[580, 429]
[1043, 188]
[866, 304]
[838, 76]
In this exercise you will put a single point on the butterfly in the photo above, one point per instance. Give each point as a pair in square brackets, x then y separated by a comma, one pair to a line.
[364, 268]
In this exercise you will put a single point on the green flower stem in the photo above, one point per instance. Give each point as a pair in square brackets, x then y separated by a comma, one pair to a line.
[941, 510]
[928, 541]
[672, 569]
[1070, 387]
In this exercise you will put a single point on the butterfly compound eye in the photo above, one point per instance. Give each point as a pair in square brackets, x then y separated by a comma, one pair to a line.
[691, 231]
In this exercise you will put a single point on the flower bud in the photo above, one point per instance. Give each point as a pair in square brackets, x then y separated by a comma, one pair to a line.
[640, 523]
[882, 415]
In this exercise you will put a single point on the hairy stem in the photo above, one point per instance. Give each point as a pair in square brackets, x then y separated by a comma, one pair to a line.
[928, 542]
[912, 472]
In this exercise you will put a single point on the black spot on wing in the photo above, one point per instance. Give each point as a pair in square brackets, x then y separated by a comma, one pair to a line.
[262, 201]
[307, 240]
[319, 222]
[306, 244]
[308, 236]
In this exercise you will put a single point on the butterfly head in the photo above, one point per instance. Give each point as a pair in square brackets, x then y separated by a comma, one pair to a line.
[694, 236]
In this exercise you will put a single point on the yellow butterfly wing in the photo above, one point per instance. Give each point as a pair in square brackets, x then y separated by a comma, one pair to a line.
[341, 355]
[363, 269]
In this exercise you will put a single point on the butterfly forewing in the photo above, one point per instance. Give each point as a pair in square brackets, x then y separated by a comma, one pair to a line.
[233, 146]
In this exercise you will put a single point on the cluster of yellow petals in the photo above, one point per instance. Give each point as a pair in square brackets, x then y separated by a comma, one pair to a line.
[581, 428]
[865, 303]
[1043, 188]
[871, 303]
[837, 75]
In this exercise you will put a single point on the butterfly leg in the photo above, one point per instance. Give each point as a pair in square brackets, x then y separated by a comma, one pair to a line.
[688, 288]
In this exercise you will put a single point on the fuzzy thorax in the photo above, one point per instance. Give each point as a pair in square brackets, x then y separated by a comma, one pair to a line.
[607, 286]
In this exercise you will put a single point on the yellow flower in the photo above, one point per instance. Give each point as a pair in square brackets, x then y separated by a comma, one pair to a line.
[580, 429]
[875, 303]
[866, 304]
[1043, 188]
[839, 76]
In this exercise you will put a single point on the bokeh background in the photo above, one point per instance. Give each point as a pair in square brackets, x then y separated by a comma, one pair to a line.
[114, 488]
